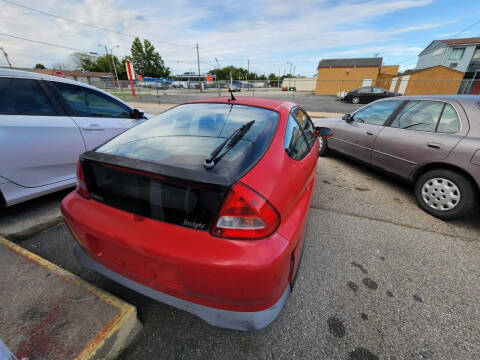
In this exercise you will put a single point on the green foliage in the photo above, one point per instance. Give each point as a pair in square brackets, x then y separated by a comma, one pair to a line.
[146, 61]
[39, 66]
[236, 74]
[102, 63]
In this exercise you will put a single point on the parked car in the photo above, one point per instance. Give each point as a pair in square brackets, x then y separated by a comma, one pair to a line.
[46, 122]
[180, 208]
[366, 94]
[431, 141]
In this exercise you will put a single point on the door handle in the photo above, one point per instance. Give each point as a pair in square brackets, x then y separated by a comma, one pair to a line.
[93, 127]
[370, 133]
[434, 145]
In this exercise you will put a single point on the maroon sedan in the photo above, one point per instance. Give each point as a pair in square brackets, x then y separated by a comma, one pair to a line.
[431, 141]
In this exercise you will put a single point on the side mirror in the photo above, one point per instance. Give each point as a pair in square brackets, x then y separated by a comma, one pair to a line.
[137, 114]
[322, 131]
[347, 117]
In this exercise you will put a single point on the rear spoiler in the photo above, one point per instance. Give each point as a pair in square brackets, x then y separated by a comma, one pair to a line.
[198, 175]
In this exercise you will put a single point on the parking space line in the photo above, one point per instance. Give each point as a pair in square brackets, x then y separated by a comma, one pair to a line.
[121, 329]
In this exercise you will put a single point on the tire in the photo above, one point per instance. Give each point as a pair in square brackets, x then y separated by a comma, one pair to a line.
[445, 194]
[294, 280]
[323, 146]
[355, 100]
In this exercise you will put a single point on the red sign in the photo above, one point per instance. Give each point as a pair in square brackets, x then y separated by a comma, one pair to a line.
[59, 74]
[130, 75]
[209, 78]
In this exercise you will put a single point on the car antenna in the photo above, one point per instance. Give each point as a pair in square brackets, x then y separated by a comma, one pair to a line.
[231, 92]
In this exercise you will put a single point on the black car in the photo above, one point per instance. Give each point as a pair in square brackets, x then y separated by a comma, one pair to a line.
[367, 94]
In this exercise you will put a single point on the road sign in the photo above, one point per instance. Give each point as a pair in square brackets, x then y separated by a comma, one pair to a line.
[130, 75]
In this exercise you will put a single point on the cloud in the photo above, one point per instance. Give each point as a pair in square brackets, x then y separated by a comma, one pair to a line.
[268, 32]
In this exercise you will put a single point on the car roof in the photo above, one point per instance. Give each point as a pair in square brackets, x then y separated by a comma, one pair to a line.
[459, 98]
[266, 103]
[32, 75]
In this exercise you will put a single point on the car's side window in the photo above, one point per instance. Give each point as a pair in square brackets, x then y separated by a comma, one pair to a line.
[420, 115]
[364, 90]
[89, 103]
[306, 125]
[449, 122]
[376, 113]
[23, 97]
[295, 142]
[377, 90]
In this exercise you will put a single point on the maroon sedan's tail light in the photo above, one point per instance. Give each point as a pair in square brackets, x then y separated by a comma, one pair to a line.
[81, 185]
[245, 215]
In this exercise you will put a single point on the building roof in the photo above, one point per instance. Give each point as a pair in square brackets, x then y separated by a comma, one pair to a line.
[464, 41]
[357, 62]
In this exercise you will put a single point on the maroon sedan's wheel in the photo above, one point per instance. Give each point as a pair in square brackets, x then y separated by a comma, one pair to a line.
[445, 194]
[323, 146]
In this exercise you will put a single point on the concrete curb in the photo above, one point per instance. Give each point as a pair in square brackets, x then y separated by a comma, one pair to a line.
[117, 334]
[33, 230]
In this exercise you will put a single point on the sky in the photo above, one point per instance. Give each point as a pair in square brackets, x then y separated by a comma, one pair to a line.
[273, 36]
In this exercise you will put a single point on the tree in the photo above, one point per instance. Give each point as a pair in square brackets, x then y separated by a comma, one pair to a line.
[87, 62]
[405, 72]
[146, 61]
[39, 66]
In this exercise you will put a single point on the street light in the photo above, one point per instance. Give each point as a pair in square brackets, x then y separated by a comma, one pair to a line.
[115, 68]
[290, 73]
[114, 65]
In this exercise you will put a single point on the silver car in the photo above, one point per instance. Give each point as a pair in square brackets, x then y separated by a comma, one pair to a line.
[46, 122]
[431, 141]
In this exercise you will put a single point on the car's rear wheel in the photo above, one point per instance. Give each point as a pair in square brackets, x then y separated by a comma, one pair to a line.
[445, 194]
[355, 100]
[323, 146]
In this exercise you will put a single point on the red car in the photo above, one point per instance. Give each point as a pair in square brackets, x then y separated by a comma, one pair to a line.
[203, 207]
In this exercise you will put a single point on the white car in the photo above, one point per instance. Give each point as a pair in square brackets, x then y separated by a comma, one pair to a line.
[46, 122]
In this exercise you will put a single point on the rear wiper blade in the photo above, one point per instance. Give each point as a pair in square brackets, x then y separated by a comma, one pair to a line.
[229, 143]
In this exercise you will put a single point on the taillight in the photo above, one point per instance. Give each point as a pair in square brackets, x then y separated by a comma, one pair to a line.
[81, 185]
[245, 215]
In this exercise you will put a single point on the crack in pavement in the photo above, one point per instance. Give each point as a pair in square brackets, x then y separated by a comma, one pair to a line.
[455, 236]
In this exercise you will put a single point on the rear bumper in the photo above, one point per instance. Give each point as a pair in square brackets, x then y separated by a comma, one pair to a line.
[231, 283]
[237, 320]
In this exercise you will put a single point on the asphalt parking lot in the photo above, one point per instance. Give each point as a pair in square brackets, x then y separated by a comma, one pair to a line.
[380, 279]
[308, 101]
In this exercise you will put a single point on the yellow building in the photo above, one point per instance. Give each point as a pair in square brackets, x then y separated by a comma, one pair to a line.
[336, 75]
[430, 81]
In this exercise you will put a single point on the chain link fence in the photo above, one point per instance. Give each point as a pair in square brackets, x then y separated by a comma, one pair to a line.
[403, 85]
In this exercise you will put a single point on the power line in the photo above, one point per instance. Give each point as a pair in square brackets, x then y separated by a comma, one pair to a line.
[454, 36]
[90, 25]
[43, 43]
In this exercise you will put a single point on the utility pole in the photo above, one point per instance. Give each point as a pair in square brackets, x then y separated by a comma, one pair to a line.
[279, 78]
[218, 80]
[6, 57]
[108, 61]
[290, 77]
[198, 64]
[248, 71]
[115, 66]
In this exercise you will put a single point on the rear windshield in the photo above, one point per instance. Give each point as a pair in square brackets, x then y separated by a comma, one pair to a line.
[185, 135]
